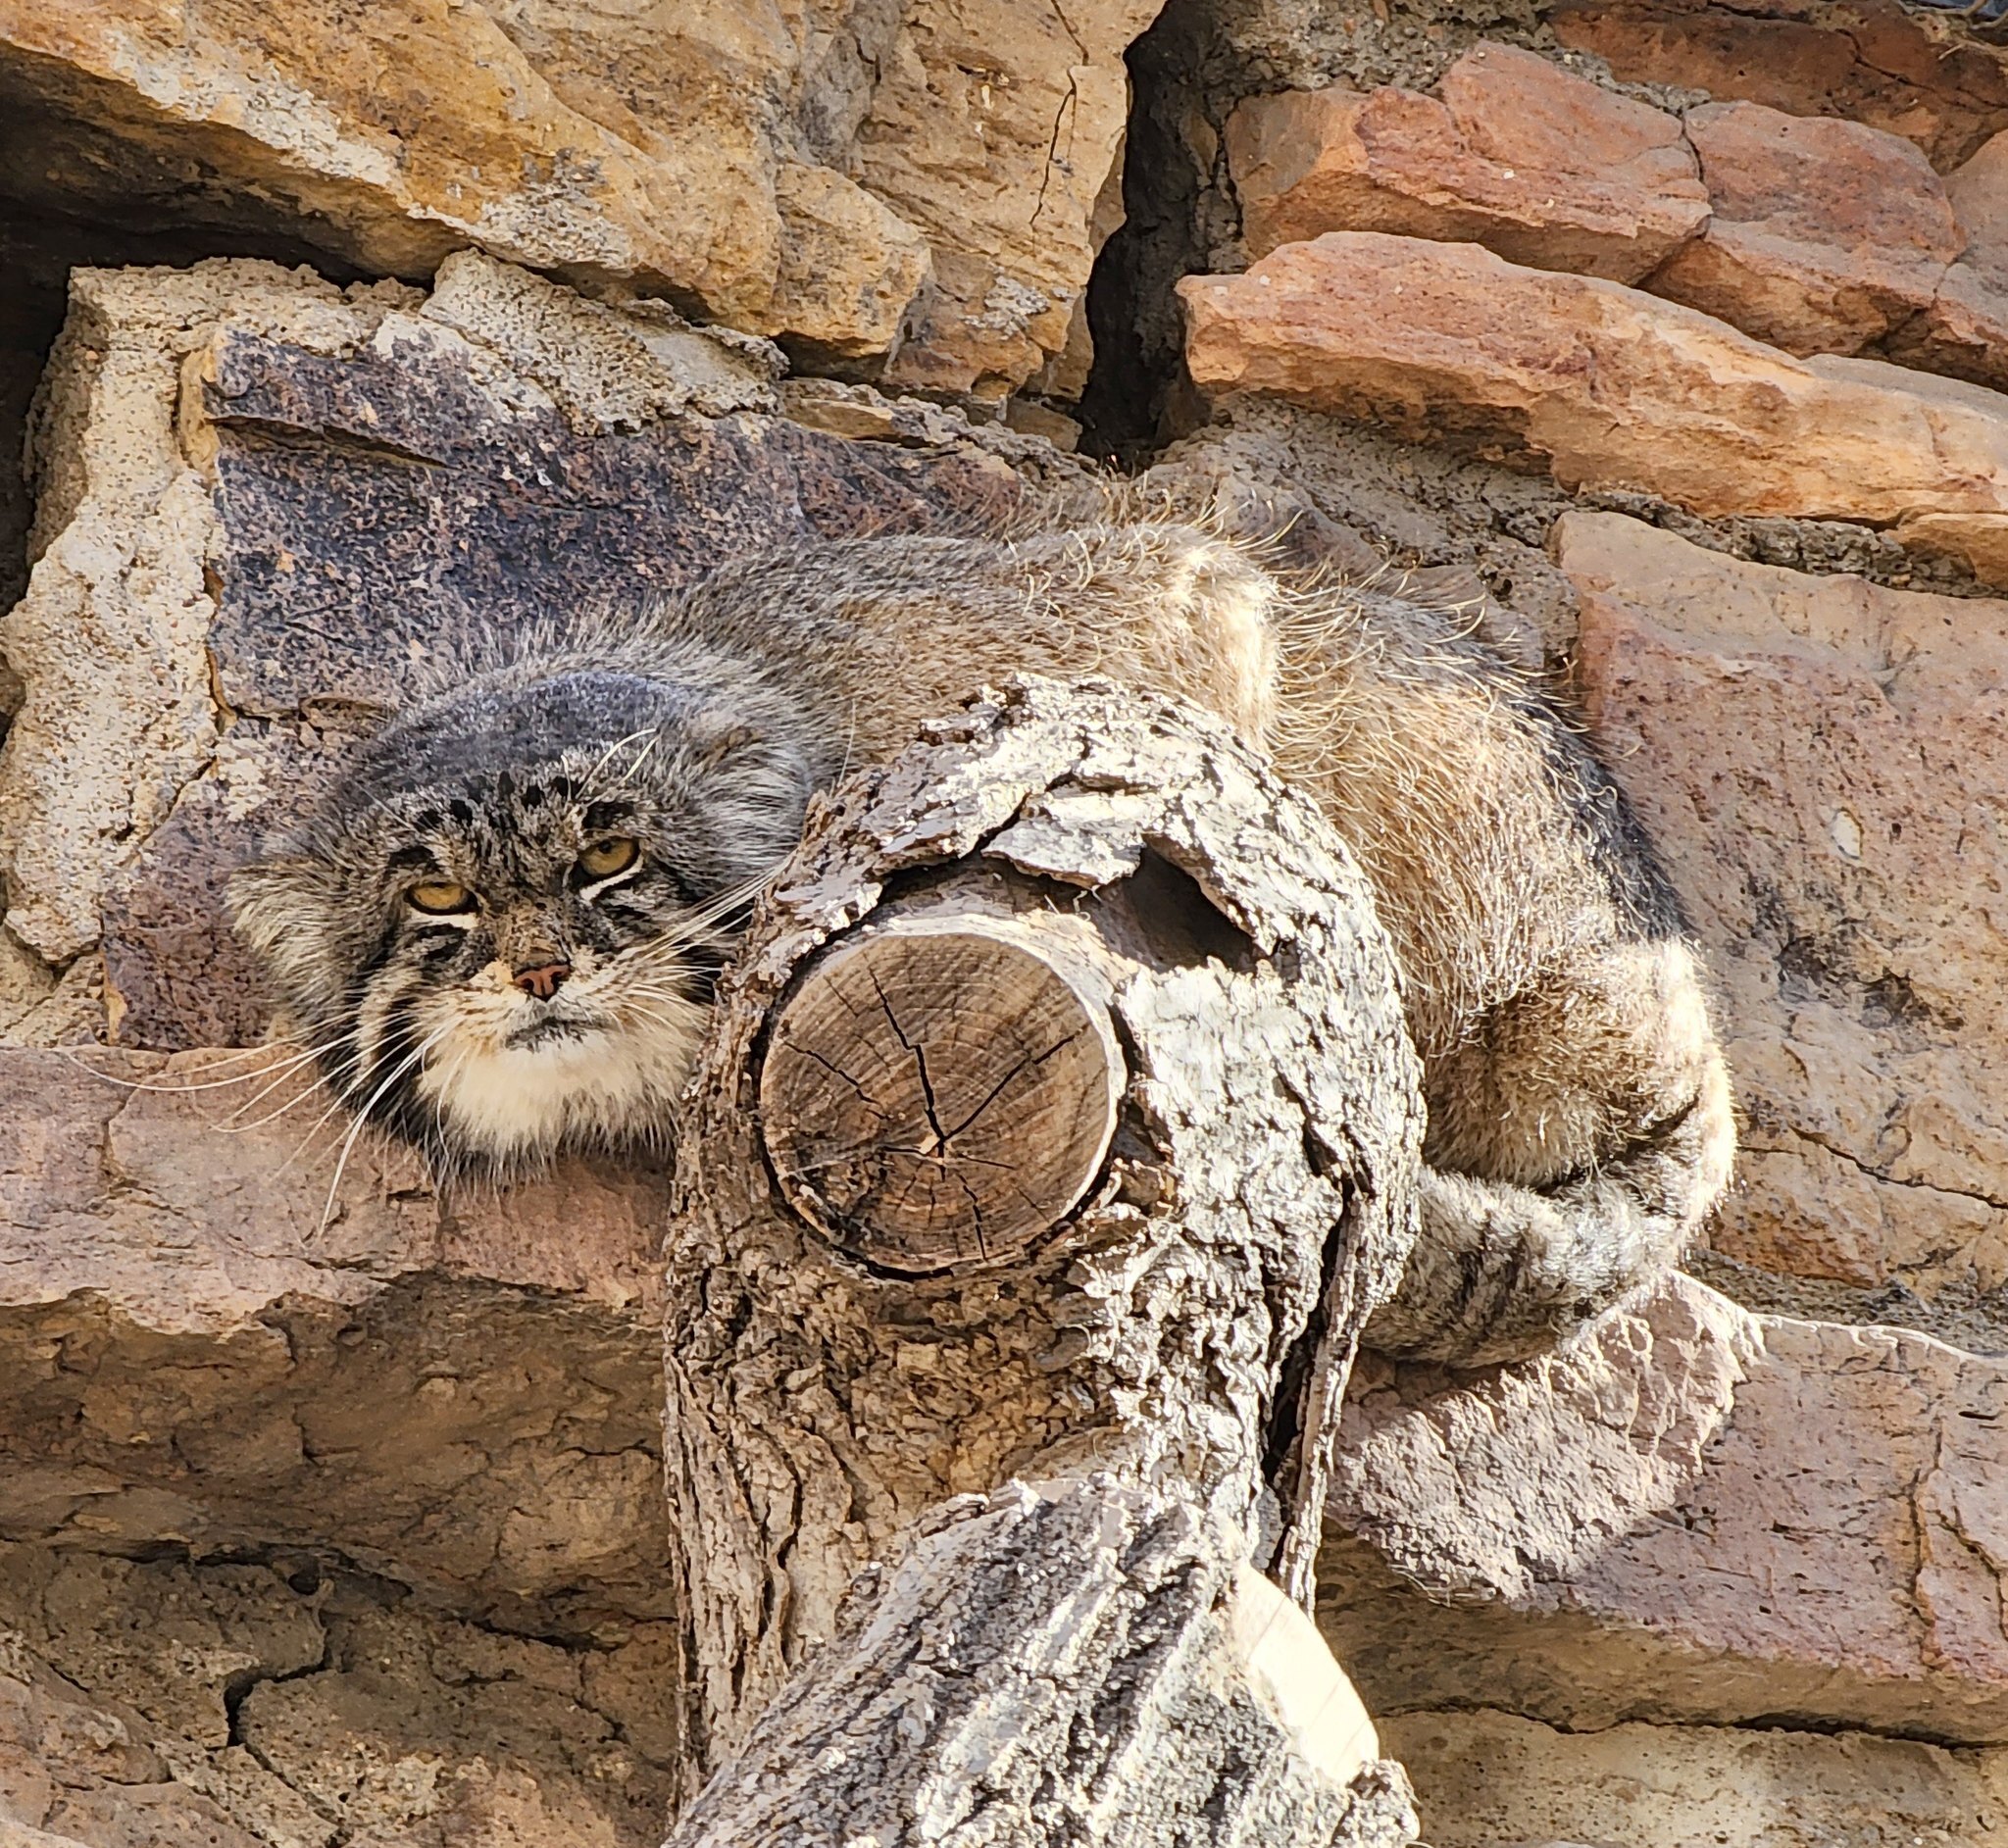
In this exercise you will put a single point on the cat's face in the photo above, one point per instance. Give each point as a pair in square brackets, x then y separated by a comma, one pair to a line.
[501, 924]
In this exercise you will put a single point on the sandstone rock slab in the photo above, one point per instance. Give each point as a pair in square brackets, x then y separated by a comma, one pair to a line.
[1817, 757]
[1868, 60]
[1486, 1778]
[208, 1344]
[1964, 330]
[997, 128]
[1824, 235]
[849, 179]
[408, 130]
[1606, 387]
[1518, 154]
[1692, 1514]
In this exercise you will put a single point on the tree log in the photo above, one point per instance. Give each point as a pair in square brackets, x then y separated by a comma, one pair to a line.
[1056, 1134]
[943, 1089]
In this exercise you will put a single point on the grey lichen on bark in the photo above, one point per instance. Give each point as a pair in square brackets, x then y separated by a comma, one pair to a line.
[1006, 1341]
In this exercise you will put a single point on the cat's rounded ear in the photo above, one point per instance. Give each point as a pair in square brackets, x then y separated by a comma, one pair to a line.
[760, 765]
[718, 736]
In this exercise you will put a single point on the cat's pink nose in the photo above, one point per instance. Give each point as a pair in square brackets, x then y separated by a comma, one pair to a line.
[542, 980]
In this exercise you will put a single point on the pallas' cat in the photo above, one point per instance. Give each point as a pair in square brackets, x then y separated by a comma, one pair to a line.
[501, 922]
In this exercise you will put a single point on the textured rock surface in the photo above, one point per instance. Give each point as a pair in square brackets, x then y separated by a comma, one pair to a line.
[1964, 330]
[289, 1704]
[204, 1385]
[268, 506]
[1866, 59]
[1518, 155]
[1605, 386]
[408, 131]
[841, 176]
[1824, 235]
[996, 128]
[193, 1356]
[1694, 1516]
[1817, 757]
[1490, 1778]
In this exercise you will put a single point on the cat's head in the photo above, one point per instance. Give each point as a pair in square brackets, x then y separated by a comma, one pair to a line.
[499, 924]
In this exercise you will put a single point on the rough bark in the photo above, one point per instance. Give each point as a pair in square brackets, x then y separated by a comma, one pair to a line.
[989, 1508]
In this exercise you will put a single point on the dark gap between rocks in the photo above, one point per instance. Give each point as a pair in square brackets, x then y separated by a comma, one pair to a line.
[1131, 312]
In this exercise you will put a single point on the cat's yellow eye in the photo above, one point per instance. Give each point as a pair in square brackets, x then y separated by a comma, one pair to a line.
[440, 895]
[605, 857]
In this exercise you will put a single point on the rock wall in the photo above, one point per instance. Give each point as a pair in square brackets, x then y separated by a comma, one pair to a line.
[1661, 336]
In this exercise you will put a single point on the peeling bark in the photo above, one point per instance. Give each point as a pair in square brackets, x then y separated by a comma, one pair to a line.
[989, 1514]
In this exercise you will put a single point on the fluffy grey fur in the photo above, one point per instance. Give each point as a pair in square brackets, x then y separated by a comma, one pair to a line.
[1579, 1121]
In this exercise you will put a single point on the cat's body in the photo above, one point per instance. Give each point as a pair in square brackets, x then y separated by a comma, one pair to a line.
[1580, 1124]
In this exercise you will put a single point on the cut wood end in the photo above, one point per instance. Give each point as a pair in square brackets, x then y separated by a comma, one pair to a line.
[939, 1095]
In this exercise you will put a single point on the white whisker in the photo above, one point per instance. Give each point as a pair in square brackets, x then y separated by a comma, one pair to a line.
[231, 1127]
[343, 1098]
[606, 756]
[205, 1085]
[405, 1064]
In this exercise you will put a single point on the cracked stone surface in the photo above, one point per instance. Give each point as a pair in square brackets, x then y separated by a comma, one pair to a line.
[1814, 234]
[1518, 155]
[1868, 61]
[193, 1355]
[914, 183]
[280, 1702]
[339, 1532]
[1962, 330]
[1822, 235]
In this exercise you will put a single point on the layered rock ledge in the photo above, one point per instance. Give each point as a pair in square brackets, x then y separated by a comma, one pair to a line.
[1606, 387]
[857, 180]
[330, 1514]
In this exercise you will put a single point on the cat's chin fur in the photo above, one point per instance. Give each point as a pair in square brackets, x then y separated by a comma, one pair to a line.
[604, 1077]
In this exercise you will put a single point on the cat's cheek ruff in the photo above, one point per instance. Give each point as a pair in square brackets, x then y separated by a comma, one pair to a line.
[384, 1009]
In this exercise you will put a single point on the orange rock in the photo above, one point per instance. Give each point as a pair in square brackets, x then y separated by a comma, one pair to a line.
[1826, 234]
[1980, 541]
[789, 171]
[1866, 59]
[1606, 387]
[1518, 154]
[401, 133]
[1979, 195]
[1964, 330]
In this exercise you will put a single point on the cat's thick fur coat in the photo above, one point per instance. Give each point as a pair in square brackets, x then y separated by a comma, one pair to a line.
[1580, 1124]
